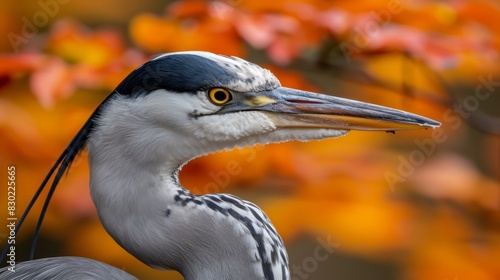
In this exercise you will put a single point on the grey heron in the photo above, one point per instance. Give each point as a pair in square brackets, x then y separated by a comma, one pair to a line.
[180, 106]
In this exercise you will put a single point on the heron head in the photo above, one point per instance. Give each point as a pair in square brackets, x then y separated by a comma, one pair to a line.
[200, 99]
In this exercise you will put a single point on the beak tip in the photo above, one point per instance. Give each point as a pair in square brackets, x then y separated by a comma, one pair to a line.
[428, 123]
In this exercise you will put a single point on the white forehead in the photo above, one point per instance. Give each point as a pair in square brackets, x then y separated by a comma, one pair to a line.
[247, 75]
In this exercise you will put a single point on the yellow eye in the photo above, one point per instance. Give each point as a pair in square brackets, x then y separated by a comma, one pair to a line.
[219, 96]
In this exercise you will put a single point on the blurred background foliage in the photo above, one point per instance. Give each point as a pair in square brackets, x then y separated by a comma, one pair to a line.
[415, 205]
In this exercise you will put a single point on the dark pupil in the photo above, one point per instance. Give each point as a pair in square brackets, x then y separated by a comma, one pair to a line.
[220, 95]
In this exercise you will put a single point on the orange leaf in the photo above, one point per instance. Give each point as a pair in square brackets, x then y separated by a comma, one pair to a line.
[51, 82]
[188, 9]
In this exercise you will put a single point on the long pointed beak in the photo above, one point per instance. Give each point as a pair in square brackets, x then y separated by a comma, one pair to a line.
[291, 108]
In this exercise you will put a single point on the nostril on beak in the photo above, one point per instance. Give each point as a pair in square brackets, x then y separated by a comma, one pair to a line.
[302, 101]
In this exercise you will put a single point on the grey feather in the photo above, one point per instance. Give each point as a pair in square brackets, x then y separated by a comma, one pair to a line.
[64, 268]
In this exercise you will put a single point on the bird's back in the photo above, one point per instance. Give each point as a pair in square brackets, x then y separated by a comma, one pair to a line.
[64, 268]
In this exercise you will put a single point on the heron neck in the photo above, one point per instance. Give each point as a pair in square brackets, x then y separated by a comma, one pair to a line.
[147, 212]
[133, 183]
